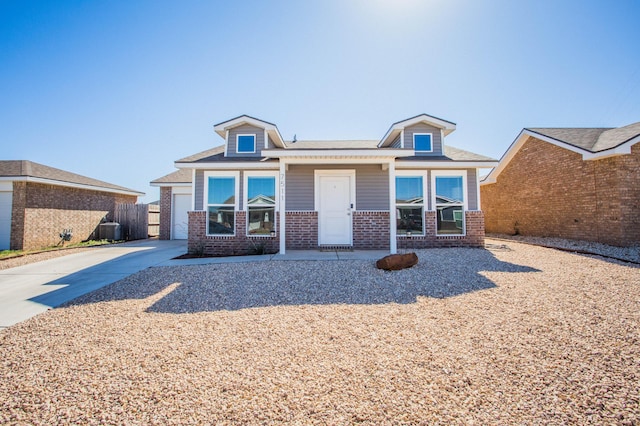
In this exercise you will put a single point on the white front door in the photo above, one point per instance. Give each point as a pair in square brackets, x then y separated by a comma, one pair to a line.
[334, 209]
[180, 217]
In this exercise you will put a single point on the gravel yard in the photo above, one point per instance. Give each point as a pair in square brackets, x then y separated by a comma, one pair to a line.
[514, 334]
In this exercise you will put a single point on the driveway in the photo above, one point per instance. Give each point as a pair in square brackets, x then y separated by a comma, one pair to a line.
[28, 290]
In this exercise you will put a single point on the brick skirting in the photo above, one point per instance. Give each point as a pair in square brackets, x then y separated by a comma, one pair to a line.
[370, 232]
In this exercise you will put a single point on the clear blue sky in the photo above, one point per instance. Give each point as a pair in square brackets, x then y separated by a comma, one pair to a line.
[119, 90]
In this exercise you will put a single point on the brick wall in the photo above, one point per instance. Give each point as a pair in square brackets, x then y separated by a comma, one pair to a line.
[474, 234]
[550, 191]
[239, 245]
[302, 230]
[165, 212]
[371, 230]
[41, 212]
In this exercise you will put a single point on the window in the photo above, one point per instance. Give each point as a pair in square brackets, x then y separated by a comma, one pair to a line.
[221, 194]
[261, 204]
[422, 142]
[409, 205]
[449, 193]
[246, 144]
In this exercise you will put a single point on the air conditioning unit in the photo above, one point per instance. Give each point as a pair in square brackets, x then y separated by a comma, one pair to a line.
[110, 231]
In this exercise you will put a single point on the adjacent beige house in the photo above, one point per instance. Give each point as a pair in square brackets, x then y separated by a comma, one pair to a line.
[259, 191]
[38, 203]
[576, 183]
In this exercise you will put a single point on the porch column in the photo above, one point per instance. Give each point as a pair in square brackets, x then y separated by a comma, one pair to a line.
[282, 207]
[393, 246]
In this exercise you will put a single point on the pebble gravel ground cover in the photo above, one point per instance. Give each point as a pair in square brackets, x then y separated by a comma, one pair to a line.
[512, 334]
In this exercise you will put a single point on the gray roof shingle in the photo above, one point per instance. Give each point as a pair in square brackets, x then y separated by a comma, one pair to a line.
[179, 176]
[25, 168]
[591, 139]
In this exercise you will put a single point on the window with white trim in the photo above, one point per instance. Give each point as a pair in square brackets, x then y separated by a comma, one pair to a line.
[409, 205]
[260, 201]
[221, 199]
[450, 201]
[423, 142]
[245, 144]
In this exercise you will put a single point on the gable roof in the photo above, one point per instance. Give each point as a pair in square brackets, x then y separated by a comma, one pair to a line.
[222, 128]
[397, 127]
[591, 143]
[24, 170]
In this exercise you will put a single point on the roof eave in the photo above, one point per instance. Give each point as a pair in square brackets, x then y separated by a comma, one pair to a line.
[122, 191]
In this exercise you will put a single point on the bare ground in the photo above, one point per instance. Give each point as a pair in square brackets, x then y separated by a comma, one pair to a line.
[514, 334]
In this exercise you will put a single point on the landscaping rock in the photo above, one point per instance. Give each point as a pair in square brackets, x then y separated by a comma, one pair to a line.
[395, 262]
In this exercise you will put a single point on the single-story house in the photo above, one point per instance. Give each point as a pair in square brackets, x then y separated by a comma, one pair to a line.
[38, 203]
[576, 183]
[258, 190]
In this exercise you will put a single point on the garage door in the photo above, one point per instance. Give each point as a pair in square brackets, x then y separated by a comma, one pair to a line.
[179, 227]
[5, 219]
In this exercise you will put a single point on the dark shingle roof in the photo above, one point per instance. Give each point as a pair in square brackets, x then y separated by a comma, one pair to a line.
[591, 139]
[25, 168]
[179, 176]
[451, 154]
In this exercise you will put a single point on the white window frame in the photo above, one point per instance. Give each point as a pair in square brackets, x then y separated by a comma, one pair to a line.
[245, 204]
[422, 134]
[412, 173]
[451, 173]
[236, 205]
[255, 141]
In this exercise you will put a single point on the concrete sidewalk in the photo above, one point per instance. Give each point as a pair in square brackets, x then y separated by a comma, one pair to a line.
[290, 255]
[28, 290]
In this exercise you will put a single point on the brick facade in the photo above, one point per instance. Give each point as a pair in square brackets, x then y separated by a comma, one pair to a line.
[234, 245]
[302, 230]
[165, 212]
[41, 212]
[549, 191]
[370, 232]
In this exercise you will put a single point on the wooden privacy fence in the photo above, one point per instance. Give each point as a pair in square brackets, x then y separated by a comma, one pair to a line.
[154, 220]
[138, 221]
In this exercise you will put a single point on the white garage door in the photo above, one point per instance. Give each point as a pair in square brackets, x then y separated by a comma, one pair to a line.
[5, 219]
[179, 227]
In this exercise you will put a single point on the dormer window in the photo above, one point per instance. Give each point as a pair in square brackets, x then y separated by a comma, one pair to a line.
[422, 142]
[246, 144]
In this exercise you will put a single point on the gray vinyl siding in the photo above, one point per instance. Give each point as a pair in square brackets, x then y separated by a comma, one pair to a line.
[199, 188]
[396, 143]
[299, 188]
[245, 130]
[436, 138]
[372, 186]
[472, 189]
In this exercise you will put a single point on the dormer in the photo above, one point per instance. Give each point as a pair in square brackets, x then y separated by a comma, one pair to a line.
[423, 133]
[246, 136]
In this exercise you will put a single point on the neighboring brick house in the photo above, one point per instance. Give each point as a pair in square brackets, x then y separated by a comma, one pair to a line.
[576, 183]
[260, 191]
[38, 202]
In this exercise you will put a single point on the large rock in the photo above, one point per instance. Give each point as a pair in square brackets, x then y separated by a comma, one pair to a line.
[395, 262]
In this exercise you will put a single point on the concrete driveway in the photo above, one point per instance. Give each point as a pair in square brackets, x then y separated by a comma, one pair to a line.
[28, 290]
